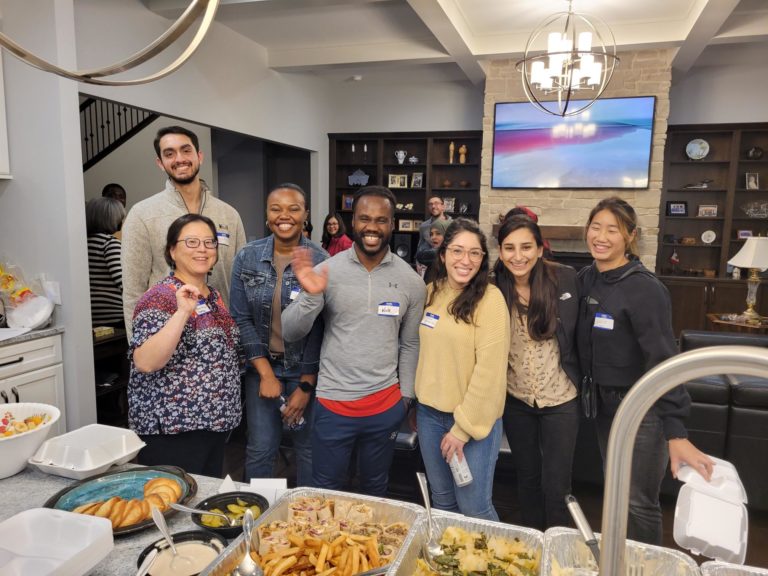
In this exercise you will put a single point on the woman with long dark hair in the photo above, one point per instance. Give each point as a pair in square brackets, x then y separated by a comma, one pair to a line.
[461, 374]
[541, 415]
[335, 237]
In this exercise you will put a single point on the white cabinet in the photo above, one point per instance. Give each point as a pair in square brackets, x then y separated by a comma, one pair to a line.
[32, 371]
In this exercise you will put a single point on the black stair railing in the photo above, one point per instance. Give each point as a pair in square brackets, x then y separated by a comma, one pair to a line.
[105, 125]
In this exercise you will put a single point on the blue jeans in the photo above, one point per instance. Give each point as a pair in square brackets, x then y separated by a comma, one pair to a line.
[474, 499]
[542, 442]
[649, 464]
[335, 436]
[265, 428]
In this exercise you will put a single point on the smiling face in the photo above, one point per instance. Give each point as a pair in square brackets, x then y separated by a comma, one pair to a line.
[607, 241]
[179, 159]
[435, 237]
[519, 253]
[372, 225]
[194, 263]
[436, 207]
[332, 227]
[286, 213]
[462, 259]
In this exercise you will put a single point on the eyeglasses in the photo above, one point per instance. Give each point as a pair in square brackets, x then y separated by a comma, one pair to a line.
[475, 254]
[209, 243]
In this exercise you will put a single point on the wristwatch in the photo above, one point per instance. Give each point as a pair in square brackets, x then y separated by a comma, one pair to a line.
[305, 386]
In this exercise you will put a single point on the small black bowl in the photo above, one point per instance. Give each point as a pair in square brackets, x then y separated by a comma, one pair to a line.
[202, 536]
[220, 501]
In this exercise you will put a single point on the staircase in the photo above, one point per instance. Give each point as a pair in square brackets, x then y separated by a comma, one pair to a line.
[105, 125]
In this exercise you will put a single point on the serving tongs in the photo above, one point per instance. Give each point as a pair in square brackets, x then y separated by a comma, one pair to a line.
[583, 526]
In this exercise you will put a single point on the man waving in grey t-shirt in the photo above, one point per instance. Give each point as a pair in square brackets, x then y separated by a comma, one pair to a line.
[371, 302]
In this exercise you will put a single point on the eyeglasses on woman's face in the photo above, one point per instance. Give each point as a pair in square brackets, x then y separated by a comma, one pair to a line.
[209, 243]
[475, 254]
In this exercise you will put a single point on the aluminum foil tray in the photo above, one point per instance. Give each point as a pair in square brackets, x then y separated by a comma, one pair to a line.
[574, 558]
[725, 569]
[384, 510]
[405, 565]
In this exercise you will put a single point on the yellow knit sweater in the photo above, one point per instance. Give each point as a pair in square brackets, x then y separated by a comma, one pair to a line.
[463, 367]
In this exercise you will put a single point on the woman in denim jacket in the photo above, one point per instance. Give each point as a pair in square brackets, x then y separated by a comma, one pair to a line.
[277, 371]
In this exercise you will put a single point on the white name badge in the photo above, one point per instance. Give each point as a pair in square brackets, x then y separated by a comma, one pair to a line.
[223, 237]
[430, 320]
[295, 294]
[389, 309]
[603, 321]
[202, 308]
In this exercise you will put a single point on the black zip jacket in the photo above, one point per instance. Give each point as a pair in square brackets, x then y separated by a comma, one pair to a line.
[635, 312]
[567, 316]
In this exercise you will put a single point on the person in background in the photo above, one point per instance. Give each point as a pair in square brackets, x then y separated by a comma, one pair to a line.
[179, 157]
[113, 190]
[436, 207]
[461, 374]
[307, 229]
[263, 284]
[184, 387]
[624, 330]
[370, 301]
[103, 217]
[335, 237]
[428, 255]
[542, 412]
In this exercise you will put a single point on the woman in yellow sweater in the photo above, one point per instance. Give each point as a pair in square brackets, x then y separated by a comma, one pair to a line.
[461, 375]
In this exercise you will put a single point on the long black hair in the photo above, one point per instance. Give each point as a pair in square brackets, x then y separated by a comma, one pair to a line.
[464, 305]
[542, 305]
[326, 239]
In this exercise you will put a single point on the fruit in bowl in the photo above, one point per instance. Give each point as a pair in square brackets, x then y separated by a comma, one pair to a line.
[233, 505]
[25, 425]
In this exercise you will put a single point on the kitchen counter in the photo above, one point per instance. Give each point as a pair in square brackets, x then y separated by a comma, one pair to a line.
[33, 335]
[31, 489]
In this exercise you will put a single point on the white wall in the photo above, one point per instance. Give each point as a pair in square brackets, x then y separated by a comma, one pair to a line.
[134, 168]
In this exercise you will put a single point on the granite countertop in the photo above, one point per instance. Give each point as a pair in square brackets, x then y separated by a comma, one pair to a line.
[31, 489]
[33, 335]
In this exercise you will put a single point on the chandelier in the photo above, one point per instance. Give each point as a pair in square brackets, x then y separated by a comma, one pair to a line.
[95, 76]
[579, 60]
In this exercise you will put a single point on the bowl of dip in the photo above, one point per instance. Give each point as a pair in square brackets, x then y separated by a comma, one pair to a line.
[195, 549]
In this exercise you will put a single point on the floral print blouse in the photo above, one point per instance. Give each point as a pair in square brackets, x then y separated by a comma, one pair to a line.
[199, 387]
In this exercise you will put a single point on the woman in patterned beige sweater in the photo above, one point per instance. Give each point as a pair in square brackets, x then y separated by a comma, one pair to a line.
[541, 415]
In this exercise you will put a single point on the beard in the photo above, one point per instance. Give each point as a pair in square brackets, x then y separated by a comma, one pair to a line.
[383, 246]
[184, 181]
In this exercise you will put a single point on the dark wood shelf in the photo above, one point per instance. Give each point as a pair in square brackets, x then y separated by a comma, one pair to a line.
[697, 190]
[702, 245]
[698, 162]
[697, 218]
[455, 165]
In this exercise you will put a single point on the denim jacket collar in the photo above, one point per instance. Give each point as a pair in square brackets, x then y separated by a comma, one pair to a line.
[268, 249]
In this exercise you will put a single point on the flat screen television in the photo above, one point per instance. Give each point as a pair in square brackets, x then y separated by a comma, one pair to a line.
[606, 146]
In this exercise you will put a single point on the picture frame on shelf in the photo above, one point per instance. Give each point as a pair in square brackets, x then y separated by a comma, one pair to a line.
[450, 203]
[347, 200]
[405, 225]
[707, 211]
[397, 181]
[464, 207]
[417, 180]
[744, 234]
[417, 224]
[752, 181]
[677, 208]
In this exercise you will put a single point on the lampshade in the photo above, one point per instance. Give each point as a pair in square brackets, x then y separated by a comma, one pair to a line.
[754, 254]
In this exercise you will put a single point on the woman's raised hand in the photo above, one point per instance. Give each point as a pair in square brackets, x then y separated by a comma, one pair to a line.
[187, 298]
[310, 281]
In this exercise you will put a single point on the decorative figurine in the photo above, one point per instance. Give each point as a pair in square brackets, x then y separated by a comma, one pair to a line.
[463, 154]
[400, 155]
[451, 148]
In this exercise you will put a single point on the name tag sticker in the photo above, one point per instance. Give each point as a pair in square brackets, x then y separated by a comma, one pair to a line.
[295, 293]
[202, 308]
[223, 237]
[430, 320]
[603, 321]
[389, 309]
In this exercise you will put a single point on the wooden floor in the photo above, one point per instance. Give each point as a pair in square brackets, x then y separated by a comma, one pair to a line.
[403, 486]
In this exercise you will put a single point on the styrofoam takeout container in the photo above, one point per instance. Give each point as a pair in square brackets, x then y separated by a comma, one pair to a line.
[86, 451]
[567, 547]
[717, 568]
[711, 517]
[43, 541]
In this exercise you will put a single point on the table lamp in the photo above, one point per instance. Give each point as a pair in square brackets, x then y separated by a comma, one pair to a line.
[753, 255]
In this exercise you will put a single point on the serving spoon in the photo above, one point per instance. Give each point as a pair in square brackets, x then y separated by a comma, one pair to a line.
[432, 548]
[178, 561]
[182, 508]
[247, 566]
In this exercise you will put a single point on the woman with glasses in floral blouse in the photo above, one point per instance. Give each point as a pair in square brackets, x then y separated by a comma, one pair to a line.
[184, 388]
[461, 374]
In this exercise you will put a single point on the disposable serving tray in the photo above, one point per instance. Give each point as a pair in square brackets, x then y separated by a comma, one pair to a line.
[405, 565]
[385, 511]
[567, 546]
[716, 568]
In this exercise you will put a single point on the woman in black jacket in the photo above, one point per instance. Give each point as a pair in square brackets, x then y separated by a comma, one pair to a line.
[625, 329]
[541, 414]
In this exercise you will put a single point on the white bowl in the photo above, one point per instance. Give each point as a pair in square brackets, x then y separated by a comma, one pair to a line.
[15, 450]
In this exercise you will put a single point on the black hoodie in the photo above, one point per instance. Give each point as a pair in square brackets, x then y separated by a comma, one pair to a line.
[632, 334]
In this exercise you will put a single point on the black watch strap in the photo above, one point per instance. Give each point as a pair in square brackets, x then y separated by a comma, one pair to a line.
[306, 387]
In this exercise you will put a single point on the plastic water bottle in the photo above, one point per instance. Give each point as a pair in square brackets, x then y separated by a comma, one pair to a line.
[299, 424]
[460, 470]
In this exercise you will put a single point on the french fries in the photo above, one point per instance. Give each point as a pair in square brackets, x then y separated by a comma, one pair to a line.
[347, 555]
